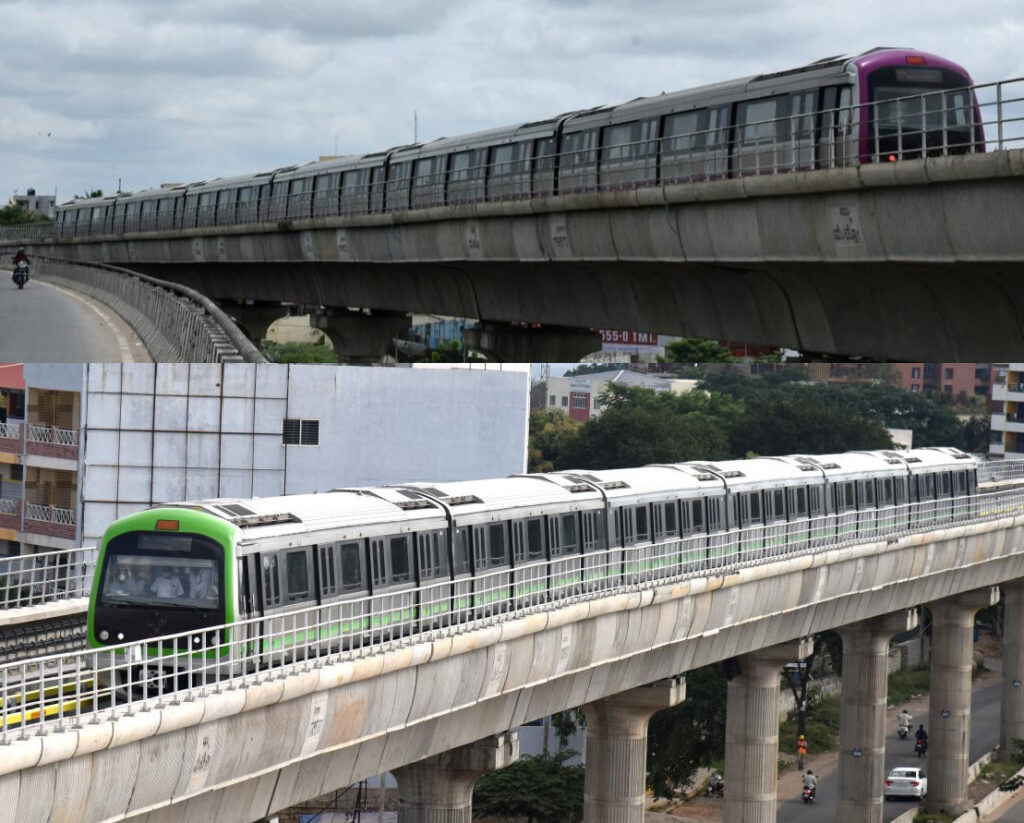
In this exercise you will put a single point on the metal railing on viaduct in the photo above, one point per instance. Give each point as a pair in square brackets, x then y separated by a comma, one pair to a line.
[175, 322]
[784, 239]
[285, 709]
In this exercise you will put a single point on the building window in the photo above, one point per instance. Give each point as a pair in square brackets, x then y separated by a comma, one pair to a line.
[948, 389]
[552, 400]
[949, 374]
[565, 400]
[915, 387]
[300, 432]
[579, 401]
[915, 373]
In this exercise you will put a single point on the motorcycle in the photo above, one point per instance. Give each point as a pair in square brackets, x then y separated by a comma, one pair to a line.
[921, 748]
[807, 795]
[715, 787]
[20, 276]
[902, 731]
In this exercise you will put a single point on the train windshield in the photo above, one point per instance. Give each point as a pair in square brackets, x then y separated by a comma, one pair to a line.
[921, 98]
[176, 570]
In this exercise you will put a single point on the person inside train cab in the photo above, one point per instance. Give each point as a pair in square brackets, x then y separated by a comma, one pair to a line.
[166, 584]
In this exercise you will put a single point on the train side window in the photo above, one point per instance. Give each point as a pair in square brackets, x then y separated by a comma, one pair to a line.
[578, 167]
[926, 486]
[534, 538]
[271, 581]
[325, 193]
[959, 483]
[815, 502]
[466, 176]
[354, 189]
[401, 560]
[433, 555]
[643, 526]
[353, 575]
[945, 487]
[509, 173]
[899, 491]
[775, 505]
[697, 514]
[754, 506]
[461, 551]
[428, 181]
[297, 575]
[671, 519]
[867, 492]
[497, 551]
[567, 530]
[798, 501]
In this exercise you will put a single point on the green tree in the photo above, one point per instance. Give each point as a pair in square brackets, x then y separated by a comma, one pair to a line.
[627, 436]
[551, 433]
[16, 215]
[804, 426]
[688, 736]
[692, 350]
[541, 788]
[93, 193]
[300, 353]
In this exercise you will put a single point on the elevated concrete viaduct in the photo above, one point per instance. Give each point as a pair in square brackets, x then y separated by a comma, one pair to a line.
[250, 748]
[806, 260]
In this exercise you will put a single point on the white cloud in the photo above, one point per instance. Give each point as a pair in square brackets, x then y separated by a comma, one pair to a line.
[150, 91]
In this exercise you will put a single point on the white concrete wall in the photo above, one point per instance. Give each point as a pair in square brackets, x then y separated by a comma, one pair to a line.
[176, 431]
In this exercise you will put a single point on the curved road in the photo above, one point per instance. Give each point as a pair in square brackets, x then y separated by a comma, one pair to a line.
[49, 324]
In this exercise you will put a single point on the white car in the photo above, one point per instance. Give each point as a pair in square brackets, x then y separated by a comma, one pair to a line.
[906, 781]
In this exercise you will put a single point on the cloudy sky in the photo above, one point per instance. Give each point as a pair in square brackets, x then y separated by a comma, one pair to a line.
[152, 91]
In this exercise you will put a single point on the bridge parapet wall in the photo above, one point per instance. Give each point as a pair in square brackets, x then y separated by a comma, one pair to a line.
[275, 738]
[176, 324]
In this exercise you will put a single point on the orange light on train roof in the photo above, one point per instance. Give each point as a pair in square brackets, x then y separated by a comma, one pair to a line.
[915, 60]
[167, 525]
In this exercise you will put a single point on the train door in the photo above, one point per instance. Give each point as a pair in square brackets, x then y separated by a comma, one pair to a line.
[344, 589]
[393, 586]
[798, 526]
[433, 572]
[563, 539]
[529, 562]
[491, 569]
[748, 515]
[775, 526]
[837, 132]
[844, 504]
[721, 548]
[594, 544]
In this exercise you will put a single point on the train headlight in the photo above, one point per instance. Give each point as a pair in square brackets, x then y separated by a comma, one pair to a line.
[120, 635]
[104, 634]
[196, 640]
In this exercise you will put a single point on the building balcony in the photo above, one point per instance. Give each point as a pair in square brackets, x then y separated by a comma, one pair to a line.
[49, 520]
[49, 441]
[10, 514]
[998, 422]
[996, 448]
[10, 437]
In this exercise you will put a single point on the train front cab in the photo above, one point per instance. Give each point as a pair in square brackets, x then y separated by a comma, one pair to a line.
[162, 572]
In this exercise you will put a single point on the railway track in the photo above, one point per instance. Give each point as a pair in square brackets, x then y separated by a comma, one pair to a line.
[43, 637]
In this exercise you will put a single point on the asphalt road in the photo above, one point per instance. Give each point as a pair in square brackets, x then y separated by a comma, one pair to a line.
[47, 324]
[984, 737]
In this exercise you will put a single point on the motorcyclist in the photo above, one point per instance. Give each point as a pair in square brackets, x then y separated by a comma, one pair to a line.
[811, 782]
[903, 720]
[20, 256]
[921, 736]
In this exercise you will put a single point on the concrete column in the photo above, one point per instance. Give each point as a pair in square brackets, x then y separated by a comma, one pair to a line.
[254, 319]
[752, 732]
[361, 337]
[616, 751]
[439, 789]
[521, 344]
[1012, 709]
[949, 710]
[862, 715]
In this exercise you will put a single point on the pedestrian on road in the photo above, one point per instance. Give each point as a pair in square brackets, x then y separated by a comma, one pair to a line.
[801, 751]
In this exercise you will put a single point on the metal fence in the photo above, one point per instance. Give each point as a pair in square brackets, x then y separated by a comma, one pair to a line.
[142, 675]
[37, 579]
[41, 433]
[936, 124]
[176, 323]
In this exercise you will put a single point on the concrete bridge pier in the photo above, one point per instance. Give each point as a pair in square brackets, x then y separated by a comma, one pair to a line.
[360, 337]
[508, 343]
[439, 789]
[752, 732]
[254, 319]
[862, 714]
[949, 711]
[1012, 704]
[615, 781]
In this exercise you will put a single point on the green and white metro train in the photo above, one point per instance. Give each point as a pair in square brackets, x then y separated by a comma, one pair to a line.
[371, 564]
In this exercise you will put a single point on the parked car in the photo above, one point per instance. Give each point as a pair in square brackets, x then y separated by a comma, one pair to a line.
[906, 781]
